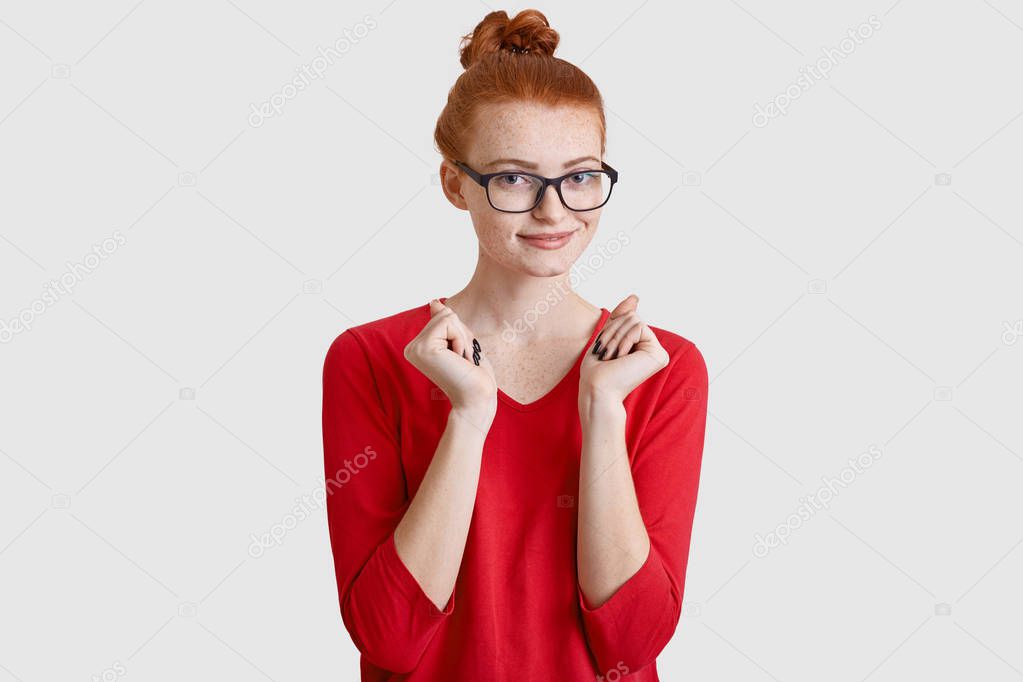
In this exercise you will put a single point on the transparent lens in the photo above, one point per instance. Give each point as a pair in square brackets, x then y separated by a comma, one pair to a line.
[586, 190]
[513, 192]
[582, 191]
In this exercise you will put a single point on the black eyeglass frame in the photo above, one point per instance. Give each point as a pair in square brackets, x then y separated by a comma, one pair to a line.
[483, 179]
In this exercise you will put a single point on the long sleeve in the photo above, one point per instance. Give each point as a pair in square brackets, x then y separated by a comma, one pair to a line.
[390, 618]
[633, 626]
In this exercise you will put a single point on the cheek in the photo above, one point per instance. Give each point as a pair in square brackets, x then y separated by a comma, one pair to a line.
[581, 243]
[497, 237]
[589, 230]
[496, 233]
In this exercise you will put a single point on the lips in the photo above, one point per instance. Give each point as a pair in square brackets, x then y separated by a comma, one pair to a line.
[547, 235]
[548, 240]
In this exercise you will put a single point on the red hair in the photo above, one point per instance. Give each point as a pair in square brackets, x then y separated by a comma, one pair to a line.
[511, 60]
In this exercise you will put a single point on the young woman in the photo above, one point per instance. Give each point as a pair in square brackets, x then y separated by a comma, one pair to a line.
[512, 471]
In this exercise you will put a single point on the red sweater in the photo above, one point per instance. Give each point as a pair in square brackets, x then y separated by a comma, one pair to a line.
[517, 612]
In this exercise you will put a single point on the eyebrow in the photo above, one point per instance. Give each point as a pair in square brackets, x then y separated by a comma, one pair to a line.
[527, 164]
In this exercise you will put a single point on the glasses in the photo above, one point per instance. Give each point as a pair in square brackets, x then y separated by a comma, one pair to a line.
[517, 192]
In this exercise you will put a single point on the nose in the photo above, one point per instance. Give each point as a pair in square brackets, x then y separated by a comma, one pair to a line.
[550, 206]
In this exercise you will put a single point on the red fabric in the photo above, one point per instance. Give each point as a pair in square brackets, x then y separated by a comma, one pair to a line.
[517, 612]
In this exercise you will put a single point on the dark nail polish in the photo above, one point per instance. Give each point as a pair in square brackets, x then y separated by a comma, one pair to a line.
[596, 346]
[476, 345]
[476, 358]
[601, 354]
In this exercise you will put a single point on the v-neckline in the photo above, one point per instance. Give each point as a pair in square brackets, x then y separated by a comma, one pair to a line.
[572, 372]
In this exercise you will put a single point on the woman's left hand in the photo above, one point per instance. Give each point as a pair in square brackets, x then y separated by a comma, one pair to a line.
[628, 353]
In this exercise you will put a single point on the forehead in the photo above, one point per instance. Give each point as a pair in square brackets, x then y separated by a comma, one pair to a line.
[544, 134]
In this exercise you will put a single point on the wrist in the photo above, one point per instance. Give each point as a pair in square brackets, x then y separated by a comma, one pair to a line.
[480, 415]
[596, 404]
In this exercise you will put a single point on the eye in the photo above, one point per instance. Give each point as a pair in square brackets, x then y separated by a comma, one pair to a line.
[581, 178]
[509, 179]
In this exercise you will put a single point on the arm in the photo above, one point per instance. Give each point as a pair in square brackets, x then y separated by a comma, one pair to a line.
[635, 521]
[431, 536]
[391, 608]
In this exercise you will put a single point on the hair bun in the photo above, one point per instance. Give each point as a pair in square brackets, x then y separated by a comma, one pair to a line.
[527, 33]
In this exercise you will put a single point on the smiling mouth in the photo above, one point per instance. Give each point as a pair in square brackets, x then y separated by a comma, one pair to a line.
[549, 236]
[554, 240]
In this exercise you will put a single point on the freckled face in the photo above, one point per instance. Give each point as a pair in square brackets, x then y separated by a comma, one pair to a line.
[548, 137]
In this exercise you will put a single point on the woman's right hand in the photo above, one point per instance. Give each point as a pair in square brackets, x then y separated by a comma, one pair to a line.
[443, 352]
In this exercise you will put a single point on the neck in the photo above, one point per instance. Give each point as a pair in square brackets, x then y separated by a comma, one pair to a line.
[518, 306]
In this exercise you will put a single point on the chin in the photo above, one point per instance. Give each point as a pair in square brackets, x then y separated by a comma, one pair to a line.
[535, 271]
[551, 265]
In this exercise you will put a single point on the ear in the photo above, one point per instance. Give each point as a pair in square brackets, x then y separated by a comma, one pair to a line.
[451, 182]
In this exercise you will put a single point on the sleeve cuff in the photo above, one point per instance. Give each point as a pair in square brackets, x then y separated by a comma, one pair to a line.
[624, 628]
[649, 577]
[400, 576]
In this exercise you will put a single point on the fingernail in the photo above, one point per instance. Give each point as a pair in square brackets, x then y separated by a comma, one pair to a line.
[601, 354]
[476, 345]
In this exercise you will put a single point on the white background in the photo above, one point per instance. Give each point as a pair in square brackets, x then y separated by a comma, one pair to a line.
[851, 271]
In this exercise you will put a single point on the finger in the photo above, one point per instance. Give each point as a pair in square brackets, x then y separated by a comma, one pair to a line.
[649, 349]
[442, 330]
[608, 330]
[629, 341]
[600, 344]
[615, 343]
[465, 338]
[439, 326]
[438, 310]
[647, 339]
[647, 358]
[612, 332]
[464, 335]
[627, 305]
[458, 345]
[484, 361]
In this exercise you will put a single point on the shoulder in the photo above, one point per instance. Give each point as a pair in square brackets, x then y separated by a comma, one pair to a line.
[684, 357]
[374, 352]
[383, 335]
[670, 407]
